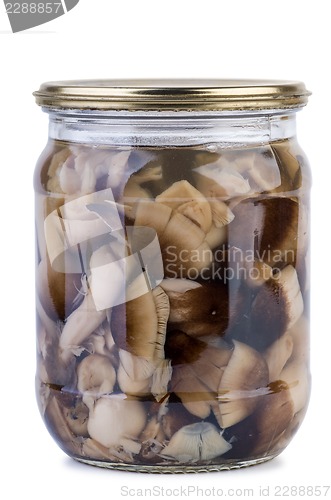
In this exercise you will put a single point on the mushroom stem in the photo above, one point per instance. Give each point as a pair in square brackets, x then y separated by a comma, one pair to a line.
[80, 324]
[277, 355]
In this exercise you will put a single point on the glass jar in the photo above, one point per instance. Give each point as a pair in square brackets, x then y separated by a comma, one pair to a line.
[172, 223]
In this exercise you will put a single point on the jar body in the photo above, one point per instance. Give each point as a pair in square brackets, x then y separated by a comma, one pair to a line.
[172, 289]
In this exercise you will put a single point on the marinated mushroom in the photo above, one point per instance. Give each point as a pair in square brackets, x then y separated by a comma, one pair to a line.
[96, 376]
[185, 199]
[134, 191]
[277, 307]
[201, 310]
[196, 442]
[77, 328]
[296, 375]
[197, 371]
[183, 219]
[267, 229]
[220, 180]
[277, 356]
[139, 325]
[238, 392]
[273, 417]
[57, 291]
[111, 422]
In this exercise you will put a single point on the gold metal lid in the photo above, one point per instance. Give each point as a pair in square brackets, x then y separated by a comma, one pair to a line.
[173, 95]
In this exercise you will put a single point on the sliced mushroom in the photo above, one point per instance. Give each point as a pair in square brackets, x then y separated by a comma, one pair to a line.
[117, 421]
[245, 374]
[196, 442]
[277, 355]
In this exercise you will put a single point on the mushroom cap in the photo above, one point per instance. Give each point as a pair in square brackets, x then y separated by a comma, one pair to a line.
[220, 180]
[135, 324]
[111, 420]
[197, 371]
[238, 393]
[201, 311]
[182, 234]
[56, 291]
[277, 307]
[273, 417]
[80, 324]
[151, 214]
[268, 227]
[195, 442]
[96, 375]
[139, 325]
[195, 396]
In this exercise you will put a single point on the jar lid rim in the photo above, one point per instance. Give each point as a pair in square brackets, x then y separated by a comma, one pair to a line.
[173, 94]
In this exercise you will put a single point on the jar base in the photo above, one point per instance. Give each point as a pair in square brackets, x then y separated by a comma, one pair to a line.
[177, 469]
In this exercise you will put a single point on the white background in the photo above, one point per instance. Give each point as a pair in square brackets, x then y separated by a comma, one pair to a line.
[287, 39]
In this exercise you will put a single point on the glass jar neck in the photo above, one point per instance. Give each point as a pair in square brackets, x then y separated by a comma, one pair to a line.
[171, 128]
